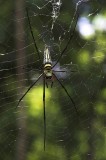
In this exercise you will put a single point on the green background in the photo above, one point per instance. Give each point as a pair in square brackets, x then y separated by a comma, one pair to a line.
[69, 136]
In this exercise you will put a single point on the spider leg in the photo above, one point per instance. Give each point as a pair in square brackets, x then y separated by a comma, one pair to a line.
[59, 71]
[72, 33]
[71, 36]
[44, 111]
[28, 90]
[32, 34]
[66, 93]
[66, 71]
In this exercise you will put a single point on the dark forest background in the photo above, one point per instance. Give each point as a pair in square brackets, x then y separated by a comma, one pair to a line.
[69, 136]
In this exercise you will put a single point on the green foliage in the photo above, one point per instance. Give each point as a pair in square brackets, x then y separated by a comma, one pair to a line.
[68, 136]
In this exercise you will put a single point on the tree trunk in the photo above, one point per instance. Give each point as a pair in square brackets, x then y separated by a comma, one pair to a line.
[20, 55]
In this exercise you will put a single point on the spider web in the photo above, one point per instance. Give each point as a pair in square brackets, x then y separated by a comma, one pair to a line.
[68, 135]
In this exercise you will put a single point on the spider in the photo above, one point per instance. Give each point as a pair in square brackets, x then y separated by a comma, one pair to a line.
[48, 71]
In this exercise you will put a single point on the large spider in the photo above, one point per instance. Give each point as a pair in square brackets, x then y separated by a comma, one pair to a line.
[48, 71]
